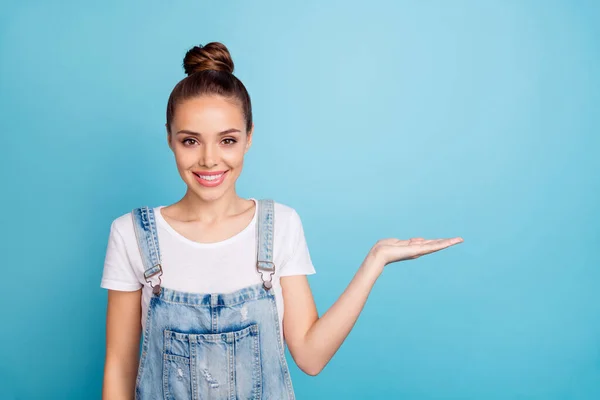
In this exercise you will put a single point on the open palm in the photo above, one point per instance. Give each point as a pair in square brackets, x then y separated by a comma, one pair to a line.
[393, 250]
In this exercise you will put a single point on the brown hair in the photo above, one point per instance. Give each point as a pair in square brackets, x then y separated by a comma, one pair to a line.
[210, 72]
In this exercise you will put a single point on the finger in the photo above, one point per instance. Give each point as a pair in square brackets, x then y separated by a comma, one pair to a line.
[411, 242]
[439, 244]
[391, 241]
[451, 241]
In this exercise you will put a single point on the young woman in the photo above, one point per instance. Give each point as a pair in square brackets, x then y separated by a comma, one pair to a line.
[216, 284]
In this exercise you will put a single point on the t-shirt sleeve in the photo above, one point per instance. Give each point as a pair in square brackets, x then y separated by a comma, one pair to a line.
[298, 262]
[118, 272]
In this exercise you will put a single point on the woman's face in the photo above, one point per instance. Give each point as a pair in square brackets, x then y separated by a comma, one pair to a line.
[209, 139]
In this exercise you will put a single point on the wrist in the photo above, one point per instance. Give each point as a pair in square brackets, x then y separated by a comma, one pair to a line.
[372, 266]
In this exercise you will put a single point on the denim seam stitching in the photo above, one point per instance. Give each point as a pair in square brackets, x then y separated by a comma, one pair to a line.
[281, 349]
[145, 345]
[261, 296]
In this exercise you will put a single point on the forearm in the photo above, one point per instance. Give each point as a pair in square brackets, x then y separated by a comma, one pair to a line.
[327, 334]
[119, 379]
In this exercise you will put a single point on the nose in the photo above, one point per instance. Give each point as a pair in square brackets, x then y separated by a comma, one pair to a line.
[209, 157]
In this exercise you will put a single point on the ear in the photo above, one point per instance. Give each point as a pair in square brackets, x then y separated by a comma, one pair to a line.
[249, 139]
[169, 137]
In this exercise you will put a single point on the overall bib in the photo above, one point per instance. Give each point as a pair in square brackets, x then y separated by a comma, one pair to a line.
[211, 346]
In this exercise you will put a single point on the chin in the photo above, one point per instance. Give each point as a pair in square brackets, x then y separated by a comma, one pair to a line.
[208, 197]
[209, 194]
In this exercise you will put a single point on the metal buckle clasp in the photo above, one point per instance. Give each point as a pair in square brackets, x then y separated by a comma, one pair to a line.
[267, 284]
[155, 288]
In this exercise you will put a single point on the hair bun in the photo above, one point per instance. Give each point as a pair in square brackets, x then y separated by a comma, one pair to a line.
[212, 56]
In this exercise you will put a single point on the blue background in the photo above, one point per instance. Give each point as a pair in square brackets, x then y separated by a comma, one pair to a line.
[373, 119]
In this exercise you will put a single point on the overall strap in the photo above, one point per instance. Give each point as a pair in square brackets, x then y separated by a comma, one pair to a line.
[144, 223]
[264, 238]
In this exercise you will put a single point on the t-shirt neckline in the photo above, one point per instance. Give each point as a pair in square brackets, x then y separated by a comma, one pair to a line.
[163, 222]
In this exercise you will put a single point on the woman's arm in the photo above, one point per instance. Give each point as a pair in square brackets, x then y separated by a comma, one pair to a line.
[313, 341]
[123, 330]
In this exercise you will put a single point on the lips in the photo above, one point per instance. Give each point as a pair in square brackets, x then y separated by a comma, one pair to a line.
[210, 179]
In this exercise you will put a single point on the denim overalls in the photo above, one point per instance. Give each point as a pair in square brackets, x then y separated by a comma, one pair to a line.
[211, 346]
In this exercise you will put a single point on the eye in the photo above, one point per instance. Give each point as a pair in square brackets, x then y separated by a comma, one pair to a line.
[184, 141]
[229, 141]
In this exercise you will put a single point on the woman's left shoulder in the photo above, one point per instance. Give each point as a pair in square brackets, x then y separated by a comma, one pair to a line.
[283, 210]
[286, 216]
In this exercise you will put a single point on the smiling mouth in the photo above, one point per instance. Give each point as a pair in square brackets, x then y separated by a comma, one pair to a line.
[210, 179]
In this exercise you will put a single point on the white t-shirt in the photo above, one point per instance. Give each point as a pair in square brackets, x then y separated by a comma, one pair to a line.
[220, 267]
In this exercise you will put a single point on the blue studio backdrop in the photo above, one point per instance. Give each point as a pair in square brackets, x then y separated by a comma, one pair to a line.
[373, 119]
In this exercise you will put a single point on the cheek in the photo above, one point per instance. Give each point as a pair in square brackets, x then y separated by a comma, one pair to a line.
[234, 157]
[185, 159]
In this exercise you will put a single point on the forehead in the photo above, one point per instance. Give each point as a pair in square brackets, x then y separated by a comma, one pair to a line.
[208, 114]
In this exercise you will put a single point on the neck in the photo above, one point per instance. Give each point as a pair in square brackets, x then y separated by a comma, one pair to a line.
[193, 208]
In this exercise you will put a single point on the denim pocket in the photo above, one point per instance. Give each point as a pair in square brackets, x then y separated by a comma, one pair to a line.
[177, 378]
[213, 366]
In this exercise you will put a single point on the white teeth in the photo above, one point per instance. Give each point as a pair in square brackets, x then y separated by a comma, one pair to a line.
[210, 177]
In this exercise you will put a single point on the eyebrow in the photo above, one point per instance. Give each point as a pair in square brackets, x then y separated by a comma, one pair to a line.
[185, 131]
